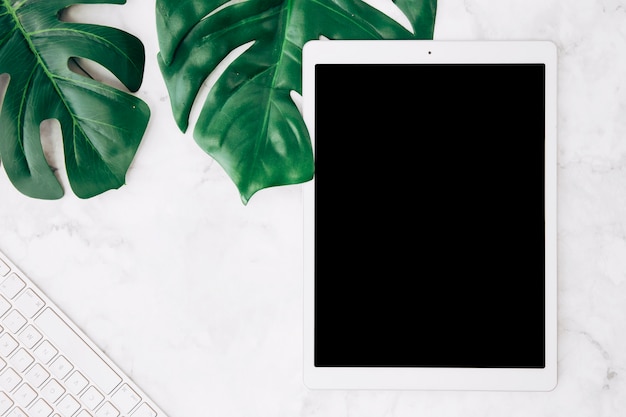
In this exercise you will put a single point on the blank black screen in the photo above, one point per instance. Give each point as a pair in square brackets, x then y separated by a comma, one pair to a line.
[429, 215]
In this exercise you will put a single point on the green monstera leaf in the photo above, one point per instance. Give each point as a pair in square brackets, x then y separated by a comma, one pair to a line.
[249, 122]
[101, 126]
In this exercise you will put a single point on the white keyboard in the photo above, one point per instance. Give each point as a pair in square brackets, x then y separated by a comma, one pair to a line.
[49, 367]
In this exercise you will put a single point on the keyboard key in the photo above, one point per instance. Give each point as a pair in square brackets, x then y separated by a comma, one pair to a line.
[4, 270]
[37, 375]
[29, 303]
[83, 413]
[40, 408]
[21, 360]
[29, 337]
[4, 305]
[76, 382]
[68, 406]
[14, 321]
[61, 367]
[52, 391]
[5, 403]
[92, 398]
[45, 352]
[17, 413]
[9, 379]
[107, 410]
[25, 395]
[125, 399]
[7, 344]
[83, 356]
[144, 410]
[11, 286]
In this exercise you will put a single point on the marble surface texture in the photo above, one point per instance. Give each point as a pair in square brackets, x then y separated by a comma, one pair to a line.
[199, 298]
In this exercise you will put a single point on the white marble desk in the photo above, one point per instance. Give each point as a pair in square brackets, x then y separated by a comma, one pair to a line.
[199, 298]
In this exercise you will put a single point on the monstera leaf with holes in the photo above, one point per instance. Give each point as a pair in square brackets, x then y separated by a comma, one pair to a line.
[249, 122]
[101, 126]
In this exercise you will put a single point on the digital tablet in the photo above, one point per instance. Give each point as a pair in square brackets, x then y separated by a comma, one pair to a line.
[430, 225]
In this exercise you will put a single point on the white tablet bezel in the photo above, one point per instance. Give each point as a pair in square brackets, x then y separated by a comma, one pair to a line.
[469, 52]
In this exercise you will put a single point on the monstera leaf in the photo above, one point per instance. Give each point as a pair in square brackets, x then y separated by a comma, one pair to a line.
[102, 126]
[249, 122]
